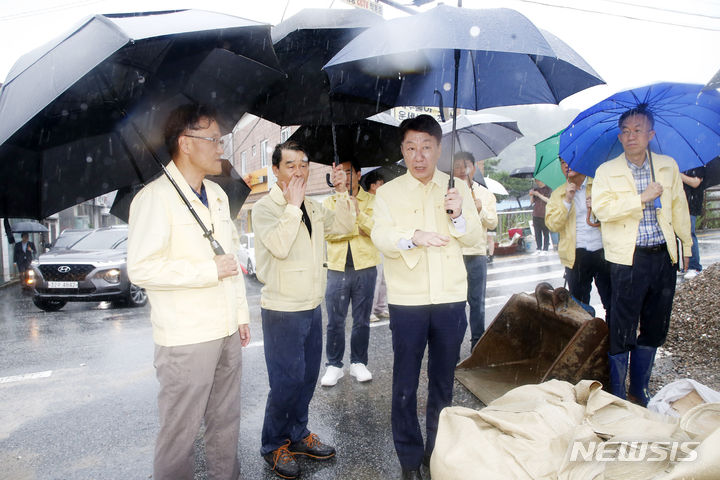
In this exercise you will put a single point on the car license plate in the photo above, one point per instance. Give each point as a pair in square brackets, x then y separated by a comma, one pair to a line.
[62, 284]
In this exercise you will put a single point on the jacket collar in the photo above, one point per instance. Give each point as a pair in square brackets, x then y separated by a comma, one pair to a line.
[439, 178]
[187, 190]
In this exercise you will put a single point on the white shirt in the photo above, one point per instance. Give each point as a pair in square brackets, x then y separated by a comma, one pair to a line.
[587, 237]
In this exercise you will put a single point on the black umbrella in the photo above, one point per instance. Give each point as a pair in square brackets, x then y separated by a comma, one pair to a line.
[303, 44]
[523, 172]
[83, 114]
[482, 57]
[29, 227]
[366, 143]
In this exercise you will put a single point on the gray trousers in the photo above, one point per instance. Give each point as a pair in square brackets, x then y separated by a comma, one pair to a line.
[198, 382]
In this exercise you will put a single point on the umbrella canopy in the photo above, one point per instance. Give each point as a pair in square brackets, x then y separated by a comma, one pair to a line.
[386, 172]
[29, 227]
[483, 135]
[303, 44]
[367, 143]
[547, 162]
[714, 82]
[495, 187]
[687, 126]
[523, 172]
[712, 173]
[503, 60]
[75, 110]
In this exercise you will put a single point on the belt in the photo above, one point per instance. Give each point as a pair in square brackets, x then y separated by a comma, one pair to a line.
[653, 249]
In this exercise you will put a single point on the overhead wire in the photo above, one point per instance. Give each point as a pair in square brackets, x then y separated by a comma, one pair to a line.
[630, 17]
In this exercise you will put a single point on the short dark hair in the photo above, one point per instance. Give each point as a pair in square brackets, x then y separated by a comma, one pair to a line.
[185, 117]
[641, 109]
[465, 156]
[421, 123]
[286, 145]
[354, 164]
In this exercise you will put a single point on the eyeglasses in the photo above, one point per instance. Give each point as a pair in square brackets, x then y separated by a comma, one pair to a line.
[216, 141]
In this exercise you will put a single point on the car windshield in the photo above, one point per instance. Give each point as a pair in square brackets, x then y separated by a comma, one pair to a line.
[102, 240]
[66, 239]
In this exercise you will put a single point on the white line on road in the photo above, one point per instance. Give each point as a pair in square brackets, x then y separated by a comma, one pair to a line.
[524, 266]
[26, 376]
[519, 280]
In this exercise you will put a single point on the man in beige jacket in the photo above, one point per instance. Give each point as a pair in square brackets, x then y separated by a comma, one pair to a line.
[581, 249]
[426, 281]
[475, 257]
[639, 242]
[199, 312]
[290, 234]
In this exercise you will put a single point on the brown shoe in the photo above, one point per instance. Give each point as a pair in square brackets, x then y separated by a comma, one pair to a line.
[313, 448]
[282, 462]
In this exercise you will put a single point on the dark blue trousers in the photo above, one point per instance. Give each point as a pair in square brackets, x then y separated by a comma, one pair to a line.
[440, 328]
[476, 266]
[590, 266]
[358, 287]
[641, 293]
[293, 350]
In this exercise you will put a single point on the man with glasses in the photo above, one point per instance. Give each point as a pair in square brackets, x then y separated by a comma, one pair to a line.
[199, 311]
[638, 236]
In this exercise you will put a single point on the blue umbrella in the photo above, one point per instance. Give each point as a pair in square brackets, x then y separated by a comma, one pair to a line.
[482, 57]
[687, 126]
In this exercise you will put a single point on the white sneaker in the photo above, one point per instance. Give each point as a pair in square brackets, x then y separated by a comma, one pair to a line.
[360, 372]
[332, 375]
[691, 274]
[374, 318]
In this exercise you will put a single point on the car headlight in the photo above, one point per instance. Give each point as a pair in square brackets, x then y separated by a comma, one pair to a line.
[29, 277]
[111, 276]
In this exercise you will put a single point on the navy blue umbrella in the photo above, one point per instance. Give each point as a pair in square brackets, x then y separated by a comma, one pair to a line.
[687, 126]
[483, 58]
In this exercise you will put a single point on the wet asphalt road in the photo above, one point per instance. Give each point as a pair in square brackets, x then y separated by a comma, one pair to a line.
[78, 391]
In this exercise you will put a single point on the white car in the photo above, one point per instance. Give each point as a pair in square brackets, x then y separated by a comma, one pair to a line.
[246, 255]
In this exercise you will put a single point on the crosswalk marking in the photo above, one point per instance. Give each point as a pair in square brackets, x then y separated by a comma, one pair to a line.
[26, 376]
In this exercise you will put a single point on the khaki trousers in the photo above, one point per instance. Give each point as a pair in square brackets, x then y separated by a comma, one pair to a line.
[198, 382]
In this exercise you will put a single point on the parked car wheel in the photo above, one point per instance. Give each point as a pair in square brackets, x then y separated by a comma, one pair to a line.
[48, 305]
[136, 296]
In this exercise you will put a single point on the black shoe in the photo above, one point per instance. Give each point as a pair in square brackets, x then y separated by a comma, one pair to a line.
[411, 474]
[426, 460]
[282, 462]
[313, 448]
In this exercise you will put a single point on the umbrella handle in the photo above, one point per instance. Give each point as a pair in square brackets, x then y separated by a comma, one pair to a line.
[656, 203]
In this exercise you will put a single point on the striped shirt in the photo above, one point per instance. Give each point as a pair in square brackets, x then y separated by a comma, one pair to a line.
[649, 232]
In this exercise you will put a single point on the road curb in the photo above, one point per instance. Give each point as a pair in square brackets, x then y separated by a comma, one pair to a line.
[8, 283]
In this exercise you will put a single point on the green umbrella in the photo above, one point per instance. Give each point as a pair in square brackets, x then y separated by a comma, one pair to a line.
[547, 162]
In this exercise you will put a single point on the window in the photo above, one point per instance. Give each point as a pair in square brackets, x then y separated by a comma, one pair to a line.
[254, 150]
[243, 162]
[284, 134]
[263, 153]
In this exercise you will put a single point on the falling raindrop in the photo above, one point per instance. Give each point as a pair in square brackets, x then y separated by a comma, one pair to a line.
[474, 31]
[83, 106]
[213, 95]
[141, 79]
[89, 159]
[65, 113]
[447, 86]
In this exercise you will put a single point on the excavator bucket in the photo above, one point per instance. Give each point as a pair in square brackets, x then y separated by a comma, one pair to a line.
[536, 337]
